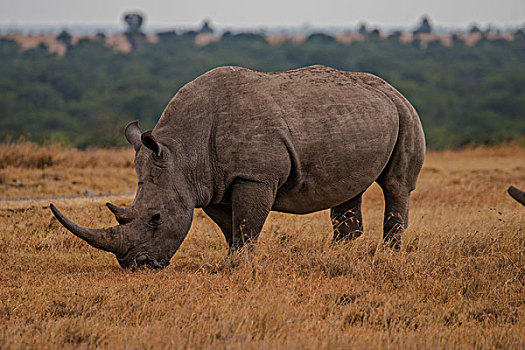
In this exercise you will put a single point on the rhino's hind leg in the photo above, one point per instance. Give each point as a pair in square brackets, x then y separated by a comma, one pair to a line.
[396, 217]
[251, 204]
[347, 219]
[222, 216]
[397, 181]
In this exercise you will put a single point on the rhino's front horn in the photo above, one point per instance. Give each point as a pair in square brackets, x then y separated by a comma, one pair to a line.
[123, 215]
[109, 239]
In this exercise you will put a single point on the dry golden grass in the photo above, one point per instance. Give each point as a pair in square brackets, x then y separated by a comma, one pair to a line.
[27, 169]
[457, 283]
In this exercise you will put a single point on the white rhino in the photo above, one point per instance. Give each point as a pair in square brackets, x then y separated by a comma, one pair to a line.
[239, 143]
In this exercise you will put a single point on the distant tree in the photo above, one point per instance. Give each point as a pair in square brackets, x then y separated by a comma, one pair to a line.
[374, 34]
[362, 29]
[320, 38]
[396, 35]
[488, 30]
[424, 26]
[474, 29]
[434, 44]
[65, 38]
[8, 47]
[84, 41]
[190, 34]
[134, 35]
[101, 37]
[167, 37]
[244, 37]
[520, 32]
[416, 43]
[206, 28]
[456, 40]
[134, 21]
[41, 51]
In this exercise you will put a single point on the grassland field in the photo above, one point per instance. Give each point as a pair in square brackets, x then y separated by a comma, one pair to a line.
[458, 282]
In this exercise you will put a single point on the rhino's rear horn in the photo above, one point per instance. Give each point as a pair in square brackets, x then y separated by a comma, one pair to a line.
[123, 215]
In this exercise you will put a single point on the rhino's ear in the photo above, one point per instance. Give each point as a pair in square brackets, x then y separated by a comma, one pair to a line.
[132, 133]
[149, 141]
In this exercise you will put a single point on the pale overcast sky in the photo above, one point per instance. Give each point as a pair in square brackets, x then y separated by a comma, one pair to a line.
[266, 13]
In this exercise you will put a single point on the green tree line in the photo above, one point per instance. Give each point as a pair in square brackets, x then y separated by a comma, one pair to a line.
[464, 94]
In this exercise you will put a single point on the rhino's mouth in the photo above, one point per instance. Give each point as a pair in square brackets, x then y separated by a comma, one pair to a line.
[143, 261]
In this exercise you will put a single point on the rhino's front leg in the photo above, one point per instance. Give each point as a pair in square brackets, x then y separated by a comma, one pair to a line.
[251, 204]
[222, 216]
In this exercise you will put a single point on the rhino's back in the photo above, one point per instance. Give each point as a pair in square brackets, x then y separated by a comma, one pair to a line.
[325, 135]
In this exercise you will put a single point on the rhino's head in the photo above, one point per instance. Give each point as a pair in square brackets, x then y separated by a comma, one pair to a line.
[151, 230]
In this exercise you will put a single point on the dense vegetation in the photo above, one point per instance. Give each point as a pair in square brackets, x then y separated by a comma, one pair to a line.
[464, 94]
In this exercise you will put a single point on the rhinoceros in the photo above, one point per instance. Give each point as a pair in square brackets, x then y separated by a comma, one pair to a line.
[239, 143]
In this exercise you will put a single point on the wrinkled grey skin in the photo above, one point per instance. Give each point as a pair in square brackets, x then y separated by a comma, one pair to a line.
[239, 143]
[517, 194]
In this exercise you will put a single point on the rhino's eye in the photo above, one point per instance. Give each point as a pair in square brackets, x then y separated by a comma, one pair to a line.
[155, 219]
[161, 156]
